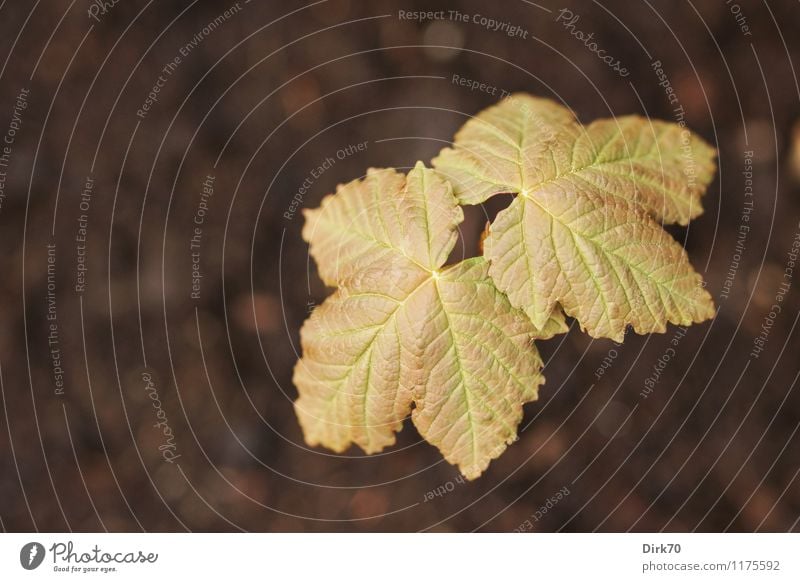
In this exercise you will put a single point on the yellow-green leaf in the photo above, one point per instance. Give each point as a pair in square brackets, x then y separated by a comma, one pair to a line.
[581, 232]
[402, 334]
[524, 141]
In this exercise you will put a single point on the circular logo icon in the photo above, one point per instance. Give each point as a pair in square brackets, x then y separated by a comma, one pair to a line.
[31, 555]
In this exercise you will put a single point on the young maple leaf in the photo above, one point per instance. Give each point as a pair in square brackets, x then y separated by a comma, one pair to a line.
[581, 233]
[402, 330]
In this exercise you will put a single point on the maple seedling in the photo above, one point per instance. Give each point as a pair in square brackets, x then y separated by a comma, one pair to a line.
[453, 345]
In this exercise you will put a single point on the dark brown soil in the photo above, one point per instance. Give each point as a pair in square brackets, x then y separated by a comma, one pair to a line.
[270, 94]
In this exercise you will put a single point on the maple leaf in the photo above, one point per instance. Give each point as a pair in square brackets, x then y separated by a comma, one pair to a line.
[403, 334]
[581, 234]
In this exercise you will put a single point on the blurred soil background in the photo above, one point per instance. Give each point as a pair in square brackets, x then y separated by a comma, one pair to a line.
[254, 106]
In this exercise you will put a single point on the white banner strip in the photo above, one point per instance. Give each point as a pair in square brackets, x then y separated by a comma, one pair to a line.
[370, 557]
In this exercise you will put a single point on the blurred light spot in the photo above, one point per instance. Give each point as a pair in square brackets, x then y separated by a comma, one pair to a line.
[442, 33]
[794, 152]
[300, 94]
[332, 12]
[611, 419]
[760, 139]
[368, 503]
[258, 312]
